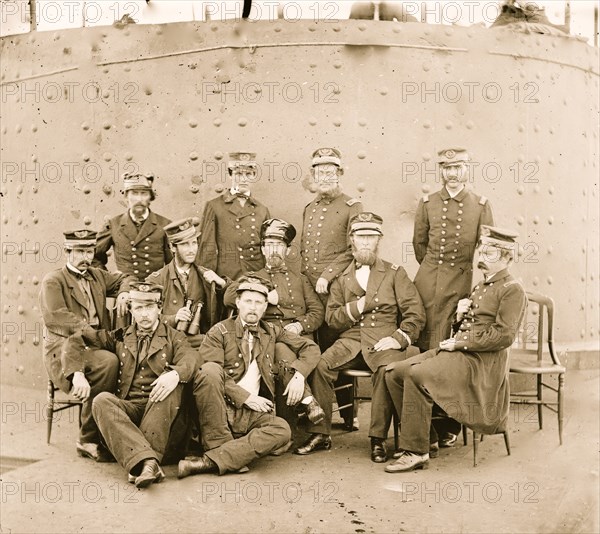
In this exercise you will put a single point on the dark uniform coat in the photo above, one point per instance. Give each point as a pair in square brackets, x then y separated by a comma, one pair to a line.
[325, 248]
[169, 350]
[64, 310]
[445, 236]
[230, 235]
[298, 301]
[223, 345]
[139, 253]
[471, 383]
[174, 297]
[392, 302]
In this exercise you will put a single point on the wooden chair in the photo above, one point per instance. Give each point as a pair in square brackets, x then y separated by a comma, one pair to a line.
[478, 438]
[53, 406]
[530, 358]
[355, 374]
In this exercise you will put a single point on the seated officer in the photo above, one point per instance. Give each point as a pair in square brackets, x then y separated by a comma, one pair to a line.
[189, 304]
[155, 360]
[467, 375]
[379, 313]
[71, 299]
[234, 390]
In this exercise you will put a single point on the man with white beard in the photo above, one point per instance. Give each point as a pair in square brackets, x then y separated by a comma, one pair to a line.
[379, 313]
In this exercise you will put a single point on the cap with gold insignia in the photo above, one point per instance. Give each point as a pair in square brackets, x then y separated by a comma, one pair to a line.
[183, 230]
[326, 155]
[143, 292]
[452, 156]
[251, 282]
[366, 223]
[498, 237]
[80, 239]
[139, 181]
[277, 229]
[241, 159]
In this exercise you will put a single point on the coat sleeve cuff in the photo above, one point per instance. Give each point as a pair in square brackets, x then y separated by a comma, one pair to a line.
[403, 338]
[352, 310]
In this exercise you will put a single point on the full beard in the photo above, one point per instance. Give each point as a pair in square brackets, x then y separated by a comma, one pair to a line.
[331, 193]
[365, 256]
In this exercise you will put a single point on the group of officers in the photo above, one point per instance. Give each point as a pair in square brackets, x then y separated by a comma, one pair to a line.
[217, 316]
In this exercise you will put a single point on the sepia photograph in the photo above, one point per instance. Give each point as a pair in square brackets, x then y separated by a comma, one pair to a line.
[303, 266]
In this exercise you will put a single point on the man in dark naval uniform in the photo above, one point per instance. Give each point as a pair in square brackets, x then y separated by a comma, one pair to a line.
[379, 313]
[445, 235]
[235, 388]
[155, 361]
[137, 236]
[183, 281]
[467, 375]
[229, 233]
[71, 299]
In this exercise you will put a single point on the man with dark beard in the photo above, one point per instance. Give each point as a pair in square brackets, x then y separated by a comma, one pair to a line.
[292, 304]
[379, 313]
[140, 244]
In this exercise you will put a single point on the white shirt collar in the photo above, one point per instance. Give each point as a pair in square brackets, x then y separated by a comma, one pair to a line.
[452, 195]
[75, 269]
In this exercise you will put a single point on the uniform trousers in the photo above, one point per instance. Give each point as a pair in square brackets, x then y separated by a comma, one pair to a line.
[136, 430]
[322, 380]
[101, 369]
[233, 437]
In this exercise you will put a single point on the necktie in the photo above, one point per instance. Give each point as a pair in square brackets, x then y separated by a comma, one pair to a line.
[143, 343]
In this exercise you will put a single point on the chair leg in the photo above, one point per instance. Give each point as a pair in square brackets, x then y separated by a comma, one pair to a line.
[540, 394]
[561, 384]
[475, 446]
[354, 402]
[464, 433]
[395, 422]
[49, 411]
[506, 442]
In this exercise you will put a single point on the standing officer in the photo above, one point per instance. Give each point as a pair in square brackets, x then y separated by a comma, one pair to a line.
[182, 281]
[379, 313]
[467, 375]
[235, 389]
[155, 360]
[446, 230]
[324, 248]
[229, 233]
[71, 299]
[137, 236]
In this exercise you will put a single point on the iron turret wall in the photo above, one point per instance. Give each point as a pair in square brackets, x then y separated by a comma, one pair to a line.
[82, 106]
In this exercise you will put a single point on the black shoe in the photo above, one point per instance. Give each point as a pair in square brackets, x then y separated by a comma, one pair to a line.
[314, 412]
[378, 451]
[151, 472]
[193, 467]
[351, 424]
[447, 439]
[434, 451]
[315, 443]
[95, 451]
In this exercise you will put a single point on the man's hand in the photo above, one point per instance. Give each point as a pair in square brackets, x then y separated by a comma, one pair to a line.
[273, 297]
[259, 404]
[81, 387]
[448, 344]
[163, 386]
[183, 314]
[294, 328]
[321, 286]
[463, 306]
[295, 389]
[211, 276]
[386, 343]
[122, 304]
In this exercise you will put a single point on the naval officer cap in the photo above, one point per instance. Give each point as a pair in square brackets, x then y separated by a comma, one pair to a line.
[183, 230]
[498, 237]
[143, 292]
[80, 239]
[452, 156]
[366, 223]
[241, 159]
[252, 282]
[139, 182]
[326, 155]
[277, 229]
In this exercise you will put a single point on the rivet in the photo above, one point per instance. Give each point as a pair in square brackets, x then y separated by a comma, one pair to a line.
[449, 32]
[337, 121]
[19, 189]
[362, 26]
[396, 28]
[85, 157]
[6, 308]
[337, 64]
[20, 310]
[107, 156]
[87, 190]
[35, 220]
[426, 156]
[535, 281]
[128, 124]
[20, 369]
[242, 121]
[5, 279]
[19, 279]
[193, 156]
[551, 160]
[35, 280]
[521, 128]
[550, 249]
[550, 220]
[384, 91]
[194, 188]
[549, 280]
[18, 128]
[425, 188]
[537, 128]
[34, 128]
[536, 188]
[106, 94]
[470, 125]
[218, 155]
[361, 187]
[449, 125]
[217, 122]
[107, 189]
[193, 123]
[106, 125]
[582, 333]
[362, 122]
[361, 154]
[336, 28]
[312, 121]
[520, 221]
[427, 124]
[536, 220]
[219, 188]
[87, 220]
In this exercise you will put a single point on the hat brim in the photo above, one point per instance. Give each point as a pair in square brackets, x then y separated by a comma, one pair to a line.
[366, 231]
